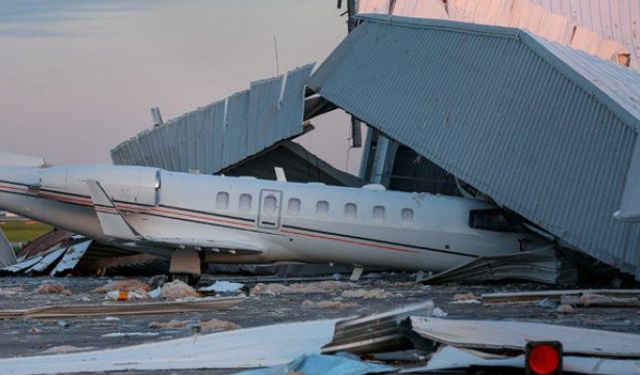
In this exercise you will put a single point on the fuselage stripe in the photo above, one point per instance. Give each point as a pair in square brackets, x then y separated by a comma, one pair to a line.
[171, 213]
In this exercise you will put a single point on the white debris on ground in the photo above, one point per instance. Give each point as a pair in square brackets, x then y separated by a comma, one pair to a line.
[439, 313]
[177, 289]
[222, 287]
[366, 294]
[328, 304]
[52, 288]
[296, 288]
[172, 324]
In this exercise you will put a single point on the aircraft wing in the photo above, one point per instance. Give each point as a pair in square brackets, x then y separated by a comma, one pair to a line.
[114, 225]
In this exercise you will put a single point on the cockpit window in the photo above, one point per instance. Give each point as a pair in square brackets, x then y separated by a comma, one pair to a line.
[494, 220]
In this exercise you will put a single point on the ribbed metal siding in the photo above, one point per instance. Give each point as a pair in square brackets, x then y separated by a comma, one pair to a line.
[221, 134]
[489, 108]
[611, 19]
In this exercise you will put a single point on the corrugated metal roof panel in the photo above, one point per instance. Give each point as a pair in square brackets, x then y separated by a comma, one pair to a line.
[541, 128]
[606, 28]
[221, 134]
[611, 19]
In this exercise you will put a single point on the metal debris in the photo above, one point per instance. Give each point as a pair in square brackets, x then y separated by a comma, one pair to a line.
[375, 333]
[544, 266]
[510, 336]
[245, 348]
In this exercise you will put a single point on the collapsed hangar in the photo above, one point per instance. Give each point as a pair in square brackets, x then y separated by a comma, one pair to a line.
[543, 129]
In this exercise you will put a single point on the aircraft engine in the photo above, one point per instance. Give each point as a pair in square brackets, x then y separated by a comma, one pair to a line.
[127, 184]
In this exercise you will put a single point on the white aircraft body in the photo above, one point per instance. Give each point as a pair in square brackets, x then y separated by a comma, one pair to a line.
[244, 220]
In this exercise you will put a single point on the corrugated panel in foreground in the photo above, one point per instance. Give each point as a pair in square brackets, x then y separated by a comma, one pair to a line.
[543, 129]
[221, 134]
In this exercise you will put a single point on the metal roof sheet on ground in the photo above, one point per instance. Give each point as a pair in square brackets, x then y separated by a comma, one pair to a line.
[221, 134]
[545, 130]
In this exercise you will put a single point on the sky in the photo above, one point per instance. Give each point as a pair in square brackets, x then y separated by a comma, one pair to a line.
[77, 77]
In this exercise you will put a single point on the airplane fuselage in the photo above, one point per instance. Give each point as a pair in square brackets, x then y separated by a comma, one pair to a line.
[261, 221]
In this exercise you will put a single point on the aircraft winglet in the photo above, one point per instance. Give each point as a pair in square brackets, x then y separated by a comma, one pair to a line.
[113, 223]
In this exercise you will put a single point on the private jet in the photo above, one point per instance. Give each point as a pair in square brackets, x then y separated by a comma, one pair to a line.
[247, 220]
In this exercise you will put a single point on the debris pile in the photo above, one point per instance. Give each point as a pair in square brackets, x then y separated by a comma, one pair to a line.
[327, 286]
[60, 253]
[51, 288]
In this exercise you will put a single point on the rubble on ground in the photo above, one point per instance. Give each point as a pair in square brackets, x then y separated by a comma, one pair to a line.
[52, 288]
[366, 294]
[129, 285]
[327, 286]
[177, 289]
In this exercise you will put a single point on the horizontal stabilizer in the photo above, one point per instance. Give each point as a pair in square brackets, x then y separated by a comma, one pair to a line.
[113, 223]
[7, 256]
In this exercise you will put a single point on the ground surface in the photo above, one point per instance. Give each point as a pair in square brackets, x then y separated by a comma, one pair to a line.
[27, 337]
[23, 230]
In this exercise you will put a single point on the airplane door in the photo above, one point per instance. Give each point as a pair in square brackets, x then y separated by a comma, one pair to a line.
[270, 209]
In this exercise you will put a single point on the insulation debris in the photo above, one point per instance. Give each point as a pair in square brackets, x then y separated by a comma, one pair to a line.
[218, 325]
[317, 287]
[177, 289]
[129, 285]
[363, 293]
[173, 324]
[51, 288]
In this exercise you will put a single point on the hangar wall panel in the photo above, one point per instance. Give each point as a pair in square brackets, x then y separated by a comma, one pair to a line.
[223, 133]
[545, 130]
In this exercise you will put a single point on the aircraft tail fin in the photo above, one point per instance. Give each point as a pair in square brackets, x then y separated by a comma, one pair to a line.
[113, 223]
[7, 256]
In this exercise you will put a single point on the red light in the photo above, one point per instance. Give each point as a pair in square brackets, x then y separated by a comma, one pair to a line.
[544, 358]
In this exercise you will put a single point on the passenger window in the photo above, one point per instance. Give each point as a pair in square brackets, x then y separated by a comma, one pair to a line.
[322, 208]
[269, 205]
[245, 202]
[222, 200]
[294, 206]
[350, 211]
[378, 214]
[406, 216]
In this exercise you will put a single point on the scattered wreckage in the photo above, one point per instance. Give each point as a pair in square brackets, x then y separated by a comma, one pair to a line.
[406, 340]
